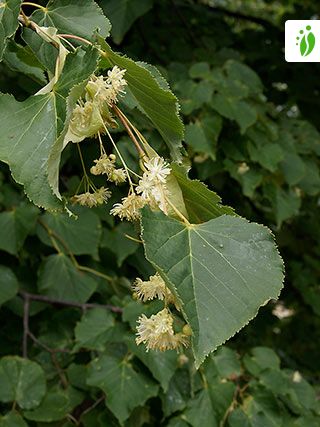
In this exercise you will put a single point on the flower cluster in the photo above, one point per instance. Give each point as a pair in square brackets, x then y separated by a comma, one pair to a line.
[155, 287]
[107, 89]
[152, 185]
[130, 207]
[106, 165]
[157, 333]
[91, 114]
[151, 190]
[98, 197]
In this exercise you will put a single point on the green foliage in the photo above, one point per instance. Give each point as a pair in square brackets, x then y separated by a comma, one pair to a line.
[79, 17]
[15, 225]
[158, 103]
[126, 388]
[68, 349]
[9, 12]
[60, 278]
[210, 253]
[8, 284]
[22, 382]
[123, 14]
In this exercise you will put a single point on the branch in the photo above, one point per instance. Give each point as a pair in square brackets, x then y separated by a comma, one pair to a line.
[238, 15]
[26, 306]
[84, 306]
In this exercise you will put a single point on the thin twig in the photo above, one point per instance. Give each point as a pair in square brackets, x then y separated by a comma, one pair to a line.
[53, 301]
[94, 405]
[26, 307]
[95, 272]
[54, 236]
[61, 374]
[45, 347]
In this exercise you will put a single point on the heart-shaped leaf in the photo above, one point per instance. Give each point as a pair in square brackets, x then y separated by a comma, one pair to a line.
[222, 271]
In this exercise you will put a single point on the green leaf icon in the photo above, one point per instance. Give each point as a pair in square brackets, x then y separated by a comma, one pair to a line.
[307, 44]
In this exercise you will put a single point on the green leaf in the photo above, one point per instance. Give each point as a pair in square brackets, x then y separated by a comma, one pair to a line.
[285, 203]
[124, 387]
[45, 52]
[238, 418]
[200, 411]
[81, 235]
[123, 13]
[21, 381]
[22, 151]
[159, 104]
[249, 180]
[269, 155]
[116, 241]
[177, 422]
[162, 365]
[293, 168]
[199, 70]
[12, 419]
[201, 203]
[21, 58]
[275, 380]
[92, 331]
[222, 271]
[244, 74]
[307, 421]
[262, 358]
[203, 135]
[77, 17]
[15, 225]
[240, 111]
[8, 284]
[59, 278]
[32, 128]
[56, 405]
[310, 183]
[304, 393]
[9, 12]
[177, 396]
[227, 362]
[264, 410]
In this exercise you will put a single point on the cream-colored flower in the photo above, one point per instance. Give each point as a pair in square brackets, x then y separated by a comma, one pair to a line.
[117, 176]
[152, 185]
[155, 287]
[282, 312]
[91, 200]
[145, 187]
[104, 165]
[157, 332]
[116, 80]
[107, 89]
[85, 199]
[243, 168]
[102, 195]
[129, 208]
[157, 169]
